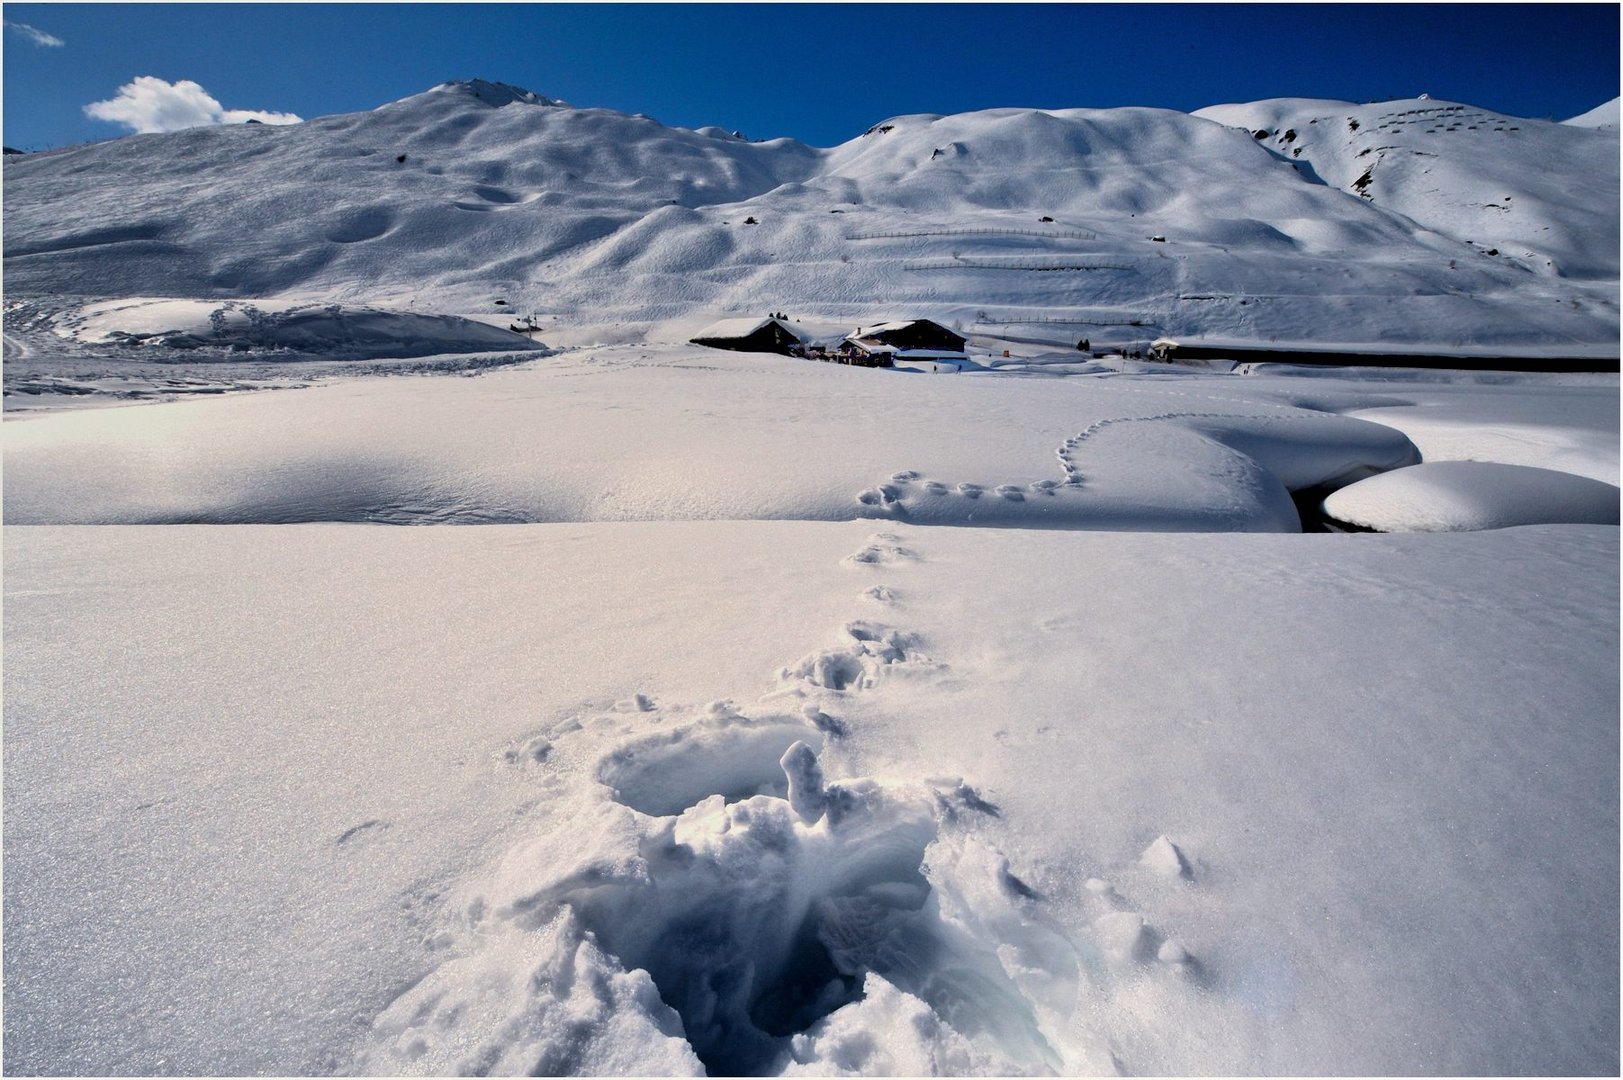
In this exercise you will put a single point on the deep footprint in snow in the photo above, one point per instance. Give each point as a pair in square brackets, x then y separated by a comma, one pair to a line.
[870, 651]
[728, 909]
[769, 928]
[884, 496]
[882, 549]
[728, 755]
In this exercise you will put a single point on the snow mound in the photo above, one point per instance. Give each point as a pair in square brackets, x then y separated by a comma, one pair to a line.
[333, 331]
[1456, 496]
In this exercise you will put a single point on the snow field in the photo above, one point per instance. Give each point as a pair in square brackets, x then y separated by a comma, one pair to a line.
[325, 331]
[628, 834]
[638, 433]
[644, 432]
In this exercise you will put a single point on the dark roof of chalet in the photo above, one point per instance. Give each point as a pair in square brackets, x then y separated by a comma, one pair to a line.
[738, 329]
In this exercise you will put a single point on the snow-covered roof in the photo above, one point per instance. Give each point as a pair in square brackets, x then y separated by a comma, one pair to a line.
[869, 331]
[885, 328]
[742, 328]
[871, 347]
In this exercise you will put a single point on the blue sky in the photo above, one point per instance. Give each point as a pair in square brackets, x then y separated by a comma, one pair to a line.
[819, 72]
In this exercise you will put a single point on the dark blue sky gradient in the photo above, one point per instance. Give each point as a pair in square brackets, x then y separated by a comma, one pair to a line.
[821, 73]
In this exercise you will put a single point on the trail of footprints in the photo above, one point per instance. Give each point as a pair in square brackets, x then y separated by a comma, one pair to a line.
[891, 497]
[725, 905]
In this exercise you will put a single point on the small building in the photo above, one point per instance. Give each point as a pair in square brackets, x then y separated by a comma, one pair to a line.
[1162, 349]
[868, 354]
[911, 334]
[752, 335]
[914, 339]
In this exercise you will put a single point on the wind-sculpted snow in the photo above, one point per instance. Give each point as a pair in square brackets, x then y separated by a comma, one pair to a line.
[1134, 223]
[682, 433]
[1452, 496]
[206, 330]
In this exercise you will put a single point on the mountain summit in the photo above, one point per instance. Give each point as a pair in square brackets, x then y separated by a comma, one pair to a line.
[494, 94]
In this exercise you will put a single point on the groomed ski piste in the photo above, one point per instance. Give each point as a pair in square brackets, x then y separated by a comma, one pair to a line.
[794, 718]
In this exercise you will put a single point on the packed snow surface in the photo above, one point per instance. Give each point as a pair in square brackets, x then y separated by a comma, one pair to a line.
[656, 433]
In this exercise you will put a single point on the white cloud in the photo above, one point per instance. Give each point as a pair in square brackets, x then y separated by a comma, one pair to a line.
[34, 34]
[146, 104]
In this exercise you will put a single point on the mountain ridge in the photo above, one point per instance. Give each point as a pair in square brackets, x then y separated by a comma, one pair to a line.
[1337, 223]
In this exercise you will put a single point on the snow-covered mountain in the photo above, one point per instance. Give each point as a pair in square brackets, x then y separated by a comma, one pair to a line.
[1411, 222]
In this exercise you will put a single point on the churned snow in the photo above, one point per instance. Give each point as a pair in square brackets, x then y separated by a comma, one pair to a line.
[711, 752]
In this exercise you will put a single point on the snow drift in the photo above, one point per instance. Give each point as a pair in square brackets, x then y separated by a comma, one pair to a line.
[1447, 496]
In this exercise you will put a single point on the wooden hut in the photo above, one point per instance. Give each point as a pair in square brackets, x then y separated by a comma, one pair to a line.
[915, 339]
[752, 335]
[911, 334]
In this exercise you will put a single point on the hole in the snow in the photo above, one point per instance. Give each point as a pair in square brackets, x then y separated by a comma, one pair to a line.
[667, 773]
[757, 919]
[754, 927]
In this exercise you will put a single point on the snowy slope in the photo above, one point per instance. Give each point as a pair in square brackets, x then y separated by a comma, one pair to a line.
[449, 200]
[1601, 116]
[1540, 196]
